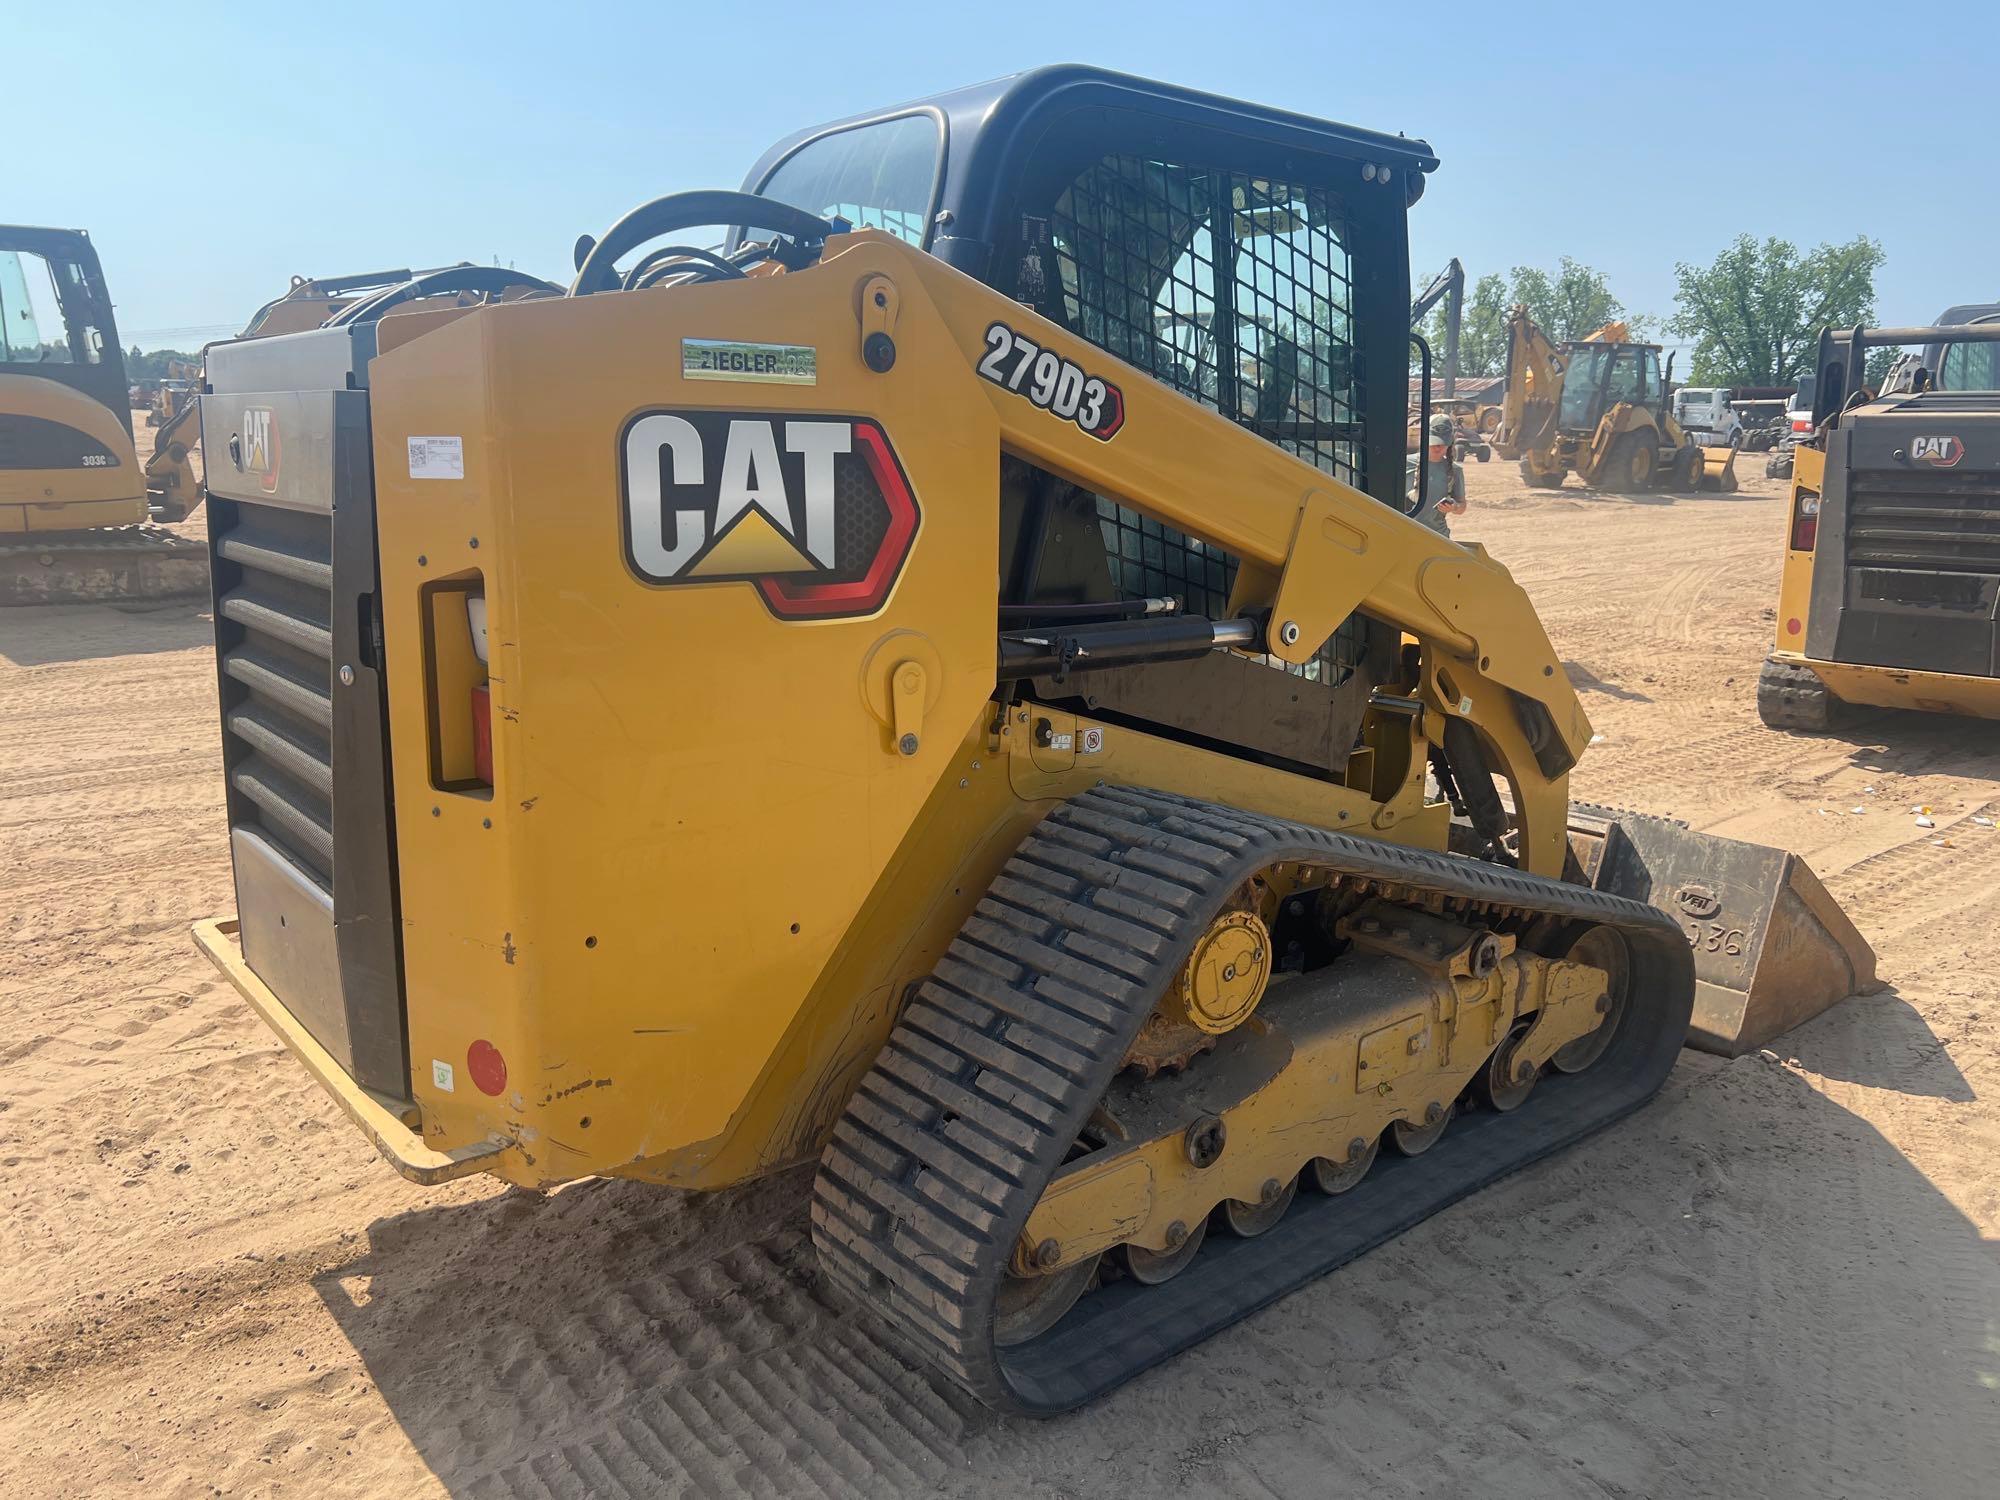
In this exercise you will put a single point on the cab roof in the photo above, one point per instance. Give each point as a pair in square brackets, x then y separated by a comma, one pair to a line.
[988, 128]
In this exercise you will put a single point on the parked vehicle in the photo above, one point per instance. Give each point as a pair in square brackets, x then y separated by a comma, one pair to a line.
[1707, 416]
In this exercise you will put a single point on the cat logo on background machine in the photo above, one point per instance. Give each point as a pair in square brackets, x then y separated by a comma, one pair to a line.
[259, 448]
[814, 510]
[1942, 452]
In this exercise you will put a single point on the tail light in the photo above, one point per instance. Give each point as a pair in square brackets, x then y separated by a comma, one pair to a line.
[482, 734]
[1802, 424]
[1805, 521]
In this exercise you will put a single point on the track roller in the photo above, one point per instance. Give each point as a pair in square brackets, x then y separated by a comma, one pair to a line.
[1248, 1220]
[1336, 1177]
[1151, 1267]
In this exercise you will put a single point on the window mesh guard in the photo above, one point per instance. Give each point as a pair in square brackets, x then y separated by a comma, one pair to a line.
[1247, 310]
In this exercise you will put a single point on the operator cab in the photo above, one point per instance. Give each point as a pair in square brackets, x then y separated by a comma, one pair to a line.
[1098, 199]
[1966, 367]
[55, 315]
[1254, 260]
[1601, 376]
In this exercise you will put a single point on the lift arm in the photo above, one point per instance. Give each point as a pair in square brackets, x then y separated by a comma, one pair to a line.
[1314, 549]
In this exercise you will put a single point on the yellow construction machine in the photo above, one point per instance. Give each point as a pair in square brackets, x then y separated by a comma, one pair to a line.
[66, 452]
[940, 684]
[73, 495]
[308, 302]
[1598, 407]
[1891, 583]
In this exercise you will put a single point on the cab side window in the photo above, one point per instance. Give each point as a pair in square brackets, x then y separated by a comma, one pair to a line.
[46, 312]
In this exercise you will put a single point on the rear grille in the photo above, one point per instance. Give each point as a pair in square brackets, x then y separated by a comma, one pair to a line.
[1940, 522]
[274, 605]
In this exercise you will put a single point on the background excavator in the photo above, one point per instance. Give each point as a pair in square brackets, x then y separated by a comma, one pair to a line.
[66, 453]
[75, 499]
[172, 482]
[938, 683]
[1598, 407]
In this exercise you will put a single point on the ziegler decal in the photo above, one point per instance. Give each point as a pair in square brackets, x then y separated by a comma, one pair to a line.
[815, 511]
[769, 364]
[1057, 385]
[1942, 452]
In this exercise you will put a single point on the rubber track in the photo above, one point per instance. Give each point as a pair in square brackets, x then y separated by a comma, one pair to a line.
[1001, 1054]
[1792, 697]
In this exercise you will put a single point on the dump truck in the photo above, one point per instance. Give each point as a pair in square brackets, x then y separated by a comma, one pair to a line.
[1891, 578]
[938, 684]
[1598, 407]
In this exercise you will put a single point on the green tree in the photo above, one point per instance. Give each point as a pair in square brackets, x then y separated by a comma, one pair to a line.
[1755, 312]
[1482, 330]
[1573, 303]
[152, 364]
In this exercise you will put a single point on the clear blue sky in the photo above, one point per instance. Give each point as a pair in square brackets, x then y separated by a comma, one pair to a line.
[217, 150]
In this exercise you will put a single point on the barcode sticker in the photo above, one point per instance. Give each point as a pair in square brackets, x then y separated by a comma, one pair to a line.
[437, 458]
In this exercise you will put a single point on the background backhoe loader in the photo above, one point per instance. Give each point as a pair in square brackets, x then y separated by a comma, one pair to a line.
[939, 684]
[1598, 407]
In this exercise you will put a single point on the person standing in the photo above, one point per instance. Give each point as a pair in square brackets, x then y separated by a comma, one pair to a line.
[1444, 486]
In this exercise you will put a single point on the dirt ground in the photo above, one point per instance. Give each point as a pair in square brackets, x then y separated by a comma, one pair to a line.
[1779, 1279]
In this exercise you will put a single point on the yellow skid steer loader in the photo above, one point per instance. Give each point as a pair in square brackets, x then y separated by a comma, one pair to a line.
[940, 684]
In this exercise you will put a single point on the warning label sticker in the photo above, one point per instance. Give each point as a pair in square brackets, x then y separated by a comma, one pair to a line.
[437, 458]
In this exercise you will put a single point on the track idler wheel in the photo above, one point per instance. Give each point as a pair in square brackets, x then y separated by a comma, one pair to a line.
[1029, 1306]
[1335, 1177]
[1414, 1138]
[1505, 1083]
[1601, 948]
[1151, 1267]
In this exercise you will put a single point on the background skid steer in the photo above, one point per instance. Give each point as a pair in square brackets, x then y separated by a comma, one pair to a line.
[1892, 555]
[955, 700]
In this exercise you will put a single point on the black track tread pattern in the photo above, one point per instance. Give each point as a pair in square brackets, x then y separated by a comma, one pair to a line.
[999, 1057]
[1794, 698]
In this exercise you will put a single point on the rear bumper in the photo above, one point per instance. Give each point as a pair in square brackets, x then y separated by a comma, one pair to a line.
[389, 1123]
[1899, 687]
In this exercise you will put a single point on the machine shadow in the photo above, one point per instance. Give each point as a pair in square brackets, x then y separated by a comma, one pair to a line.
[1914, 743]
[1742, 1261]
[40, 635]
[1585, 680]
[1880, 1041]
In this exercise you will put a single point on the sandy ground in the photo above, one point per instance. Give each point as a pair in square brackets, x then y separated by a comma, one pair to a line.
[1780, 1279]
